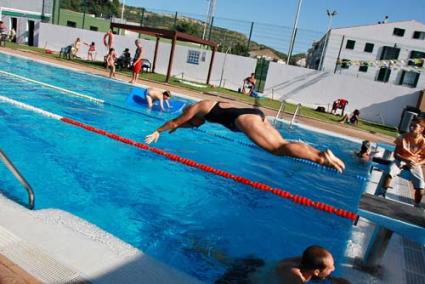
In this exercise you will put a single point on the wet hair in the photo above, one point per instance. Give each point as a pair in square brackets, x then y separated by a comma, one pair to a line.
[111, 50]
[314, 258]
[167, 93]
[365, 146]
[419, 120]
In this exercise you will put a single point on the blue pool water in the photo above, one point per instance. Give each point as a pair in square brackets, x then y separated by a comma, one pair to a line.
[187, 218]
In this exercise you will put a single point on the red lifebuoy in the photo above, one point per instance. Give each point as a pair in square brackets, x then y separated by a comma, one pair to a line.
[108, 39]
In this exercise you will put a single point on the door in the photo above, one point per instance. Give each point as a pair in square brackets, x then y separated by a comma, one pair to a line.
[14, 26]
[30, 33]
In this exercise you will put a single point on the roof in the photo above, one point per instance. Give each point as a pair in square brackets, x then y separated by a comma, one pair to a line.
[164, 34]
[376, 24]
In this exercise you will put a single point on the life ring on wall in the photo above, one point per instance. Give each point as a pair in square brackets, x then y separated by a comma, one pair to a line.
[108, 39]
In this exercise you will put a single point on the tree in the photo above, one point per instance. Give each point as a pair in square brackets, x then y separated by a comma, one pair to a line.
[186, 27]
[240, 49]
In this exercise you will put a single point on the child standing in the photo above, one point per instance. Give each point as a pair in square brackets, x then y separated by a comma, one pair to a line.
[110, 62]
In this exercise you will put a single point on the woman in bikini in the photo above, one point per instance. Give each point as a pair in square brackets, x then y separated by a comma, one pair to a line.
[253, 124]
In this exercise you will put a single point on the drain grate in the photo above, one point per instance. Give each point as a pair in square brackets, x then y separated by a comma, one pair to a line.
[35, 261]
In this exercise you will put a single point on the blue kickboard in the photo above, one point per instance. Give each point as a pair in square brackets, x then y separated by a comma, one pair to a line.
[137, 97]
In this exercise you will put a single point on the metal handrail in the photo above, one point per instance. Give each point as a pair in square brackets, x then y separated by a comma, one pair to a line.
[19, 177]
[281, 109]
[295, 114]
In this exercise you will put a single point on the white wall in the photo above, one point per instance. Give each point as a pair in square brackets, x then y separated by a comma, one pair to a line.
[314, 88]
[236, 67]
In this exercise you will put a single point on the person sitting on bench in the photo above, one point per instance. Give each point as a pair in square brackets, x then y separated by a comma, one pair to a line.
[409, 155]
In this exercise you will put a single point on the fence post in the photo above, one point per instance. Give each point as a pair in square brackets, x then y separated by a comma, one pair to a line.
[84, 13]
[175, 20]
[211, 27]
[142, 17]
[250, 34]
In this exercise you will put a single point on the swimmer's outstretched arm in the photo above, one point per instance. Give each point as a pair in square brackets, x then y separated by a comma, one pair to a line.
[173, 124]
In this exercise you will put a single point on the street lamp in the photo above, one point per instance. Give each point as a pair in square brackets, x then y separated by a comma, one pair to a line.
[325, 44]
[210, 15]
[122, 11]
[294, 31]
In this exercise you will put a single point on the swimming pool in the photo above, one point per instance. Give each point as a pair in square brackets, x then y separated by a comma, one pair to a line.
[187, 218]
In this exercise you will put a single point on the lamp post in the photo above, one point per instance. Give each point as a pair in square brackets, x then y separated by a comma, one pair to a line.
[122, 11]
[325, 44]
[210, 16]
[294, 31]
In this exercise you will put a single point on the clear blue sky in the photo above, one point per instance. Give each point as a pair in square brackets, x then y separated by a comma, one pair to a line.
[313, 12]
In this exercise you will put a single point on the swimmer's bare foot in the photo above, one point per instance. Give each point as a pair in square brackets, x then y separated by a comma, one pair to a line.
[332, 161]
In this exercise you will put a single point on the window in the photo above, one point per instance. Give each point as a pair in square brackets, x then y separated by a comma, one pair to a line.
[409, 78]
[350, 44]
[92, 28]
[368, 47]
[416, 58]
[363, 68]
[389, 53]
[71, 24]
[418, 35]
[398, 32]
[193, 57]
[383, 74]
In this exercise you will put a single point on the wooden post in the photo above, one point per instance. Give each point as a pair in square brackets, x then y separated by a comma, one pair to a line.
[211, 65]
[155, 53]
[170, 62]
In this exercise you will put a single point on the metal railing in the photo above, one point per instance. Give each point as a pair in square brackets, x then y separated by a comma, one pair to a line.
[297, 110]
[19, 177]
[281, 110]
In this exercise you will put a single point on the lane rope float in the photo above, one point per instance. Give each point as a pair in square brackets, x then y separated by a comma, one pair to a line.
[258, 185]
[240, 142]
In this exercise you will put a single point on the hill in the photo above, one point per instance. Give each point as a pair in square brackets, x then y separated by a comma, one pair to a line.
[228, 40]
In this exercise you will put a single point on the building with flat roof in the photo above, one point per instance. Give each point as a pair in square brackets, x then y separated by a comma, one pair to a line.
[389, 52]
[23, 16]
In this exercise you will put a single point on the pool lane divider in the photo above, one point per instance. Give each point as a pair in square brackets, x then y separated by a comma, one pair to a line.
[100, 101]
[258, 185]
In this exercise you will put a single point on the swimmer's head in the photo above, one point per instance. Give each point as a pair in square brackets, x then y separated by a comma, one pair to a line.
[365, 146]
[166, 95]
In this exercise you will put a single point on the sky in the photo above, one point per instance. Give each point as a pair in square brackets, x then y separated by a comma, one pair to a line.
[312, 16]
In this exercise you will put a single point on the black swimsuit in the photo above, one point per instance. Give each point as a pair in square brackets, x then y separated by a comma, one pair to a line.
[228, 116]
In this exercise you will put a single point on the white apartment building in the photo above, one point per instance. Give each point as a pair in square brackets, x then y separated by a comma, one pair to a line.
[383, 52]
[24, 15]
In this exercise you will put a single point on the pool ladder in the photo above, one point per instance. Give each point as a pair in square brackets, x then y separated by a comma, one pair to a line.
[19, 177]
[282, 109]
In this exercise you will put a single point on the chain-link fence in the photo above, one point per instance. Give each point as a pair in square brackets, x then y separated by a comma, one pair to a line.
[233, 36]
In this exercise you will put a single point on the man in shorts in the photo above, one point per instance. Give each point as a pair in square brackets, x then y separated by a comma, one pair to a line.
[137, 61]
[409, 155]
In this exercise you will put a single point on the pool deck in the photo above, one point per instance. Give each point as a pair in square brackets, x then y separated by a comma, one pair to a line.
[113, 262]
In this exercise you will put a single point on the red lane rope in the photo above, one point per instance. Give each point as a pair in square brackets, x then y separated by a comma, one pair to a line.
[258, 185]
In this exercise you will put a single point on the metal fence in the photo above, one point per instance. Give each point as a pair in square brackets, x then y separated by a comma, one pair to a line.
[235, 36]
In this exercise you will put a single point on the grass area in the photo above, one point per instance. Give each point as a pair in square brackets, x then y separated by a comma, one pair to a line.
[264, 102]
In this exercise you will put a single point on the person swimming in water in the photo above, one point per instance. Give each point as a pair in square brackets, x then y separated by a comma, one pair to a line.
[250, 121]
